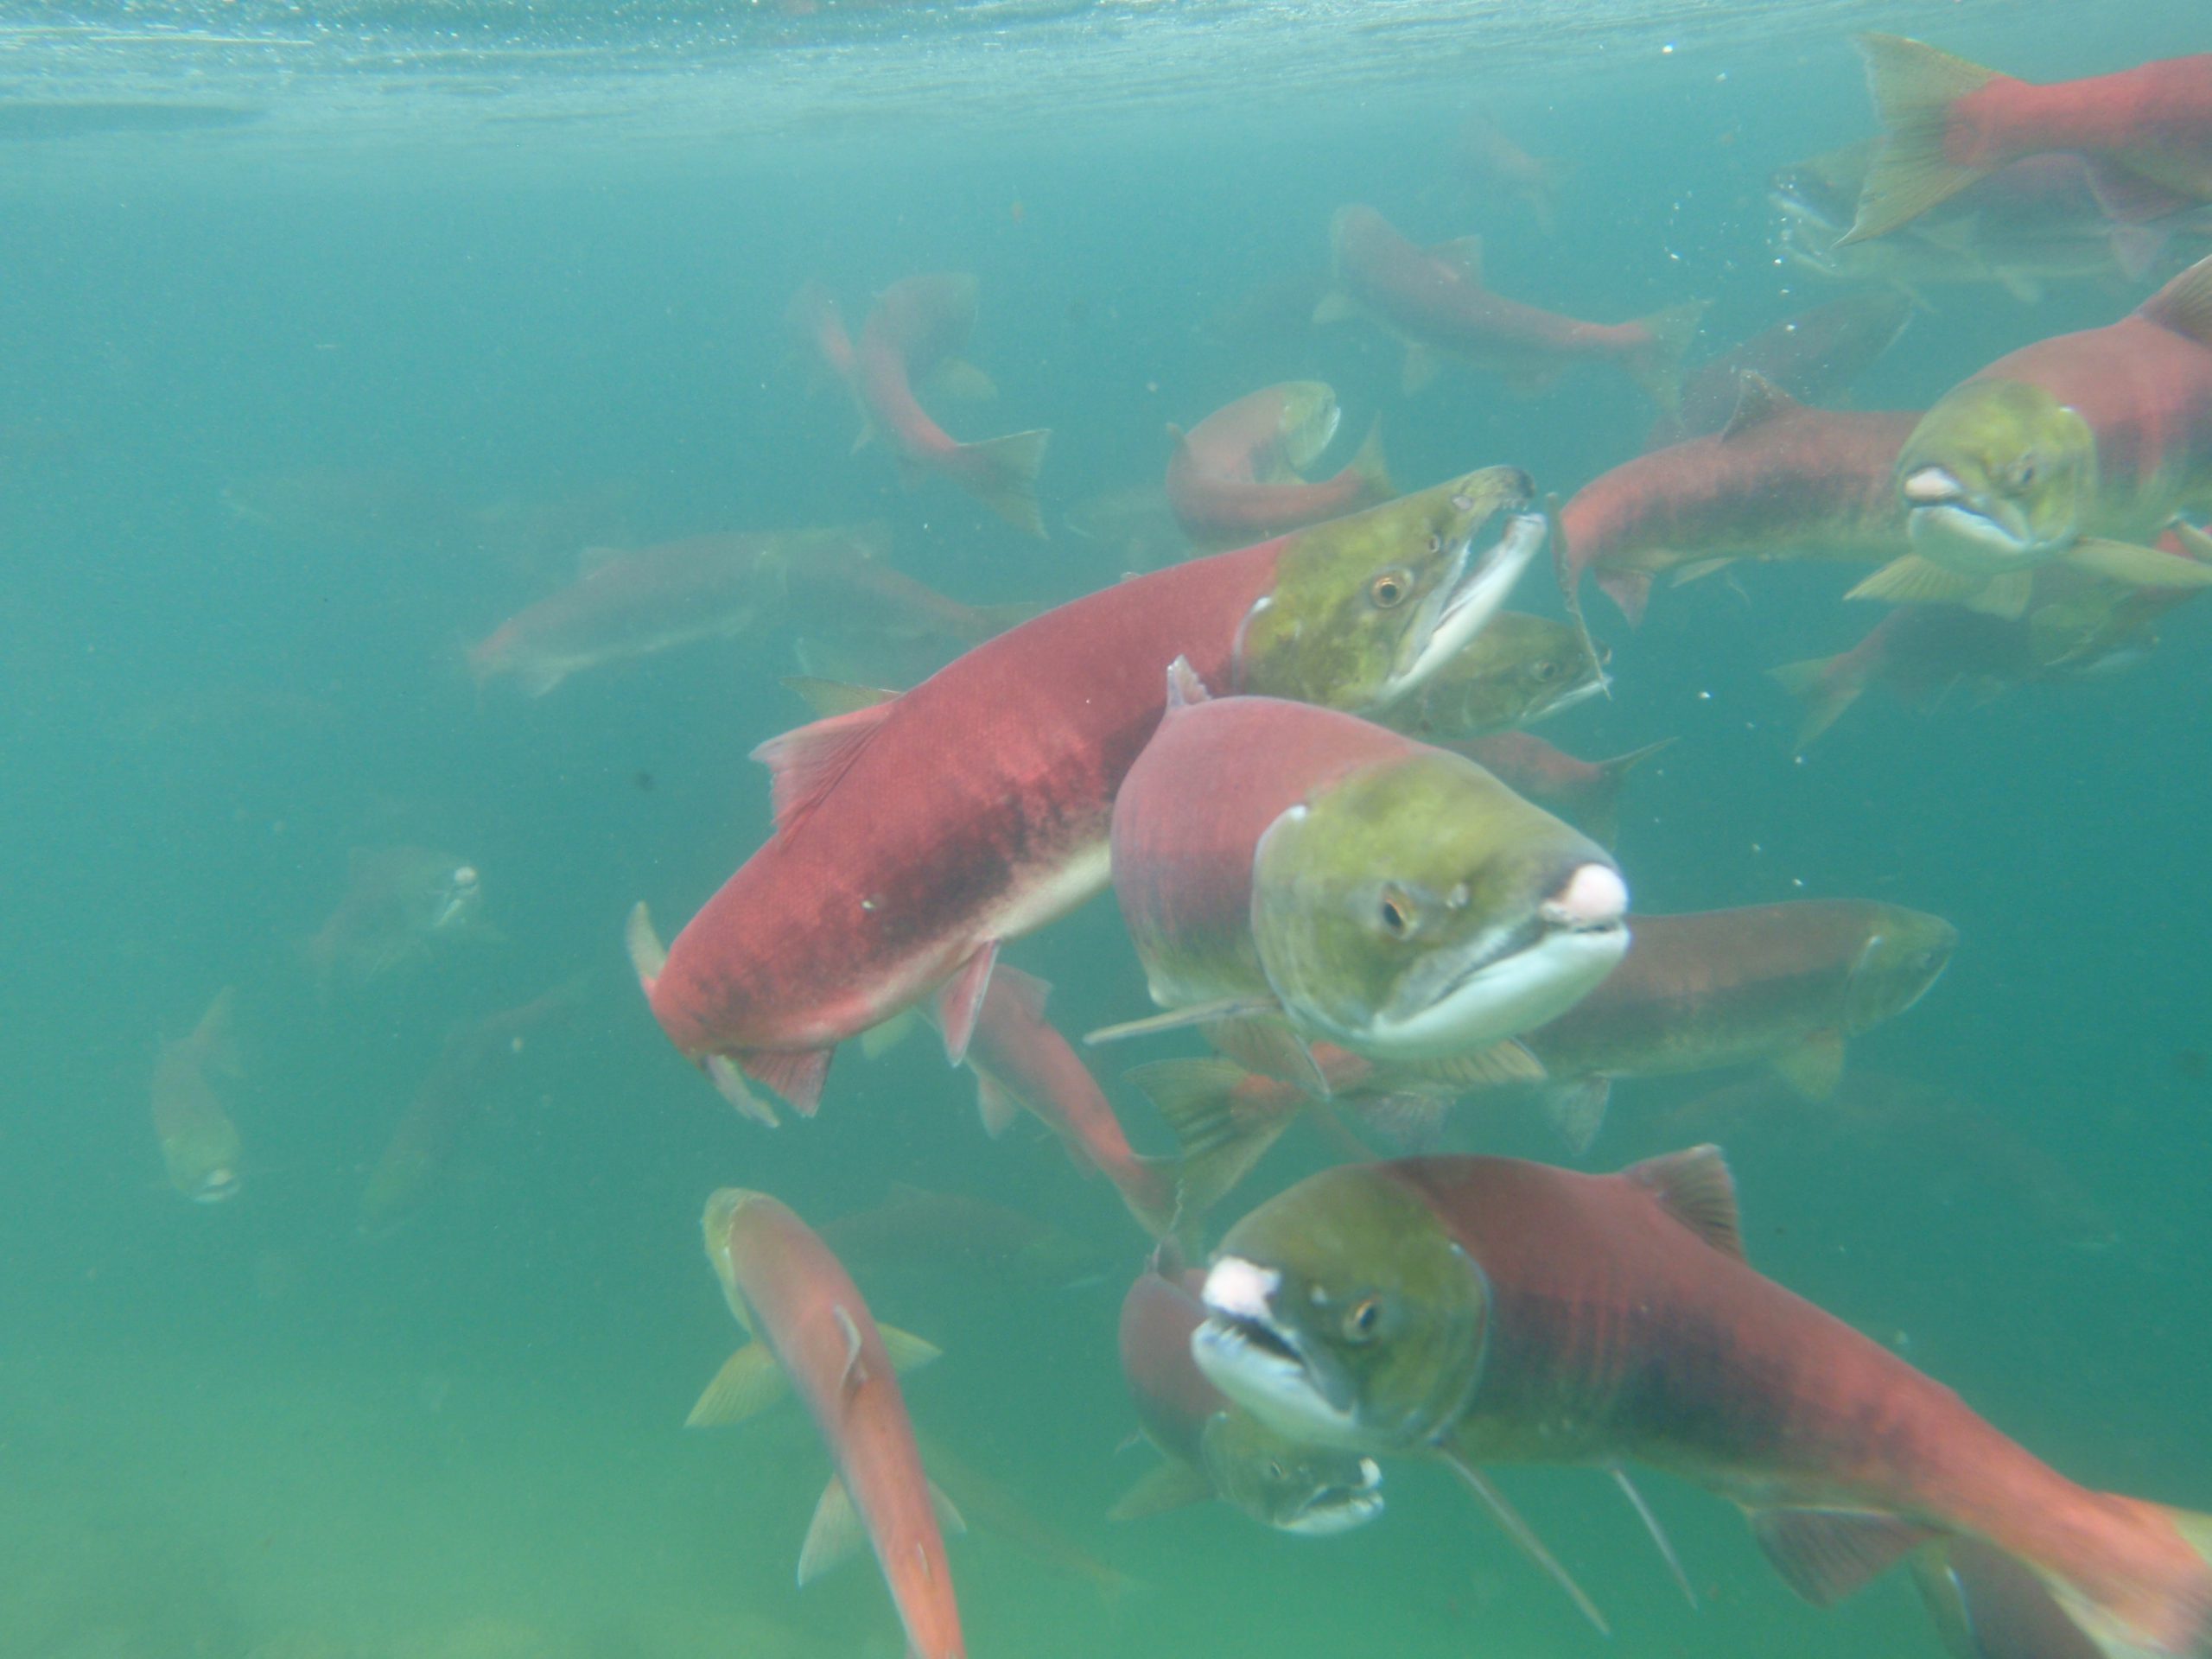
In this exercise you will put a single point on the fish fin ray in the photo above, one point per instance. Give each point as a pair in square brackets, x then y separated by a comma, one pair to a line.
[1629, 590]
[1173, 1484]
[950, 1521]
[1758, 400]
[805, 763]
[1577, 1110]
[1215, 1152]
[1522, 1534]
[2005, 597]
[1001, 473]
[748, 1384]
[1826, 1554]
[960, 998]
[1658, 1533]
[1413, 1120]
[885, 1036]
[797, 1074]
[833, 1537]
[2138, 567]
[1510, 1061]
[1913, 87]
[1812, 1067]
[1915, 580]
[728, 1079]
[908, 1352]
[1195, 1013]
[995, 1105]
[830, 698]
[648, 956]
[2184, 305]
[1184, 689]
[1694, 1187]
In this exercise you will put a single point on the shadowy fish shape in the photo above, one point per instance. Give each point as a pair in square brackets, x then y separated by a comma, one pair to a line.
[200, 1147]
[401, 906]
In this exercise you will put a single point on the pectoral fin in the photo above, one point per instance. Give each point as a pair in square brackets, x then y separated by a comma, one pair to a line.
[1826, 1554]
[907, 1350]
[1198, 1013]
[1481, 1068]
[2137, 567]
[748, 1384]
[833, 1536]
[1577, 1110]
[995, 1105]
[1522, 1534]
[960, 999]
[1915, 580]
[1173, 1484]
[1815, 1066]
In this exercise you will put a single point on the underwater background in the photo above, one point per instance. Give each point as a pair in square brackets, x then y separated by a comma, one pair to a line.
[330, 335]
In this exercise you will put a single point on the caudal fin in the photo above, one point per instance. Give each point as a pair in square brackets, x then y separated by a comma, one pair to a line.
[1002, 474]
[1825, 685]
[2143, 1586]
[1914, 87]
[1656, 362]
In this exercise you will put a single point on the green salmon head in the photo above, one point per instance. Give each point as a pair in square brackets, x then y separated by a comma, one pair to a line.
[1314, 1490]
[1305, 422]
[1904, 955]
[1366, 607]
[203, 1160]
[1999, 476]
[1342, 1312]
[1518, 669]
[1418, 909]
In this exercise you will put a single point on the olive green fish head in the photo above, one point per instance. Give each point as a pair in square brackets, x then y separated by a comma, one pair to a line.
[1905, 952]
[1365, 608]
[1999, 476]
[1285, 1483]
[203, 1159]
[1518, 669]
[1418, 909]
[1342, 1312]
[1305, 422]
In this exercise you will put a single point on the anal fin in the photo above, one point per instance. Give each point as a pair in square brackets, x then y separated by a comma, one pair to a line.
[833, 1536]
[797, 1074]
[960, 1000]
[1522, 1534]
[1826, 1554]
[748, 1384]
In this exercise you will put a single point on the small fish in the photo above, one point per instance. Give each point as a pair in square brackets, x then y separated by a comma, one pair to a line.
[1493, 166]
[1947, 124]
[912, 338]
[813, 1335]
[914, 834]
[469, 1060]
[1214, 1449]
[1810, 358]
[1483, 1310]
[627, 605]
[1519, 670]
[1434, 299]
[200, 1144]
[2081, 448]
[1780, 482]
[1238, 476]
[958, 1234]
[401, 906]
[1276, 860]
[1782, 985]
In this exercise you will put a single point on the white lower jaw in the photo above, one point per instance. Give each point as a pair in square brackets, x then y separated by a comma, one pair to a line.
[1519, 993]
[1332, 1519]
[1971, 543]
[1272, 1389]
[1477, 600]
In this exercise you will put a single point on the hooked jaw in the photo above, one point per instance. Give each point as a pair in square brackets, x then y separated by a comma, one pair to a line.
[1480, 583]
[1513, 979]
[1251, 1356]
[1333, 1510]
[1966, 531]
[217, 1184]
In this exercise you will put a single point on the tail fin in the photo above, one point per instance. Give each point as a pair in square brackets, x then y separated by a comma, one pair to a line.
[1825, 685]
[1002, 474]
[1914, 87]
[1656, 361]
[1198, 1100]
[2152, 1592]
[1601, 818]
[1371, 469]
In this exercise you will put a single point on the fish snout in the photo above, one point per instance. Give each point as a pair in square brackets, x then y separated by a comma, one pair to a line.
[1932, 487]
[1241, 1290]
[1592, 899]
[217, 1184]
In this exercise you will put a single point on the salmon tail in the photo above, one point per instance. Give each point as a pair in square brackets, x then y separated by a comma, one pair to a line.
[1656, 361]
[1827, 686]
[1369, 466]
[1002, 474]
[1152, 1191]
[1601, 818]
[2149, 1590]
[1914, 87]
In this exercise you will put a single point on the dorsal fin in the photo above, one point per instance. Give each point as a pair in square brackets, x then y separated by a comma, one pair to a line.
[1758, 400]
[1695, 1188]
[1462, 254]
[830, 698]
[1185, 688]
[2184, 305]
[805, 765]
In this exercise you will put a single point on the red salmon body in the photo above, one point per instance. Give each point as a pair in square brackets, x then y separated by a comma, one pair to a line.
[1616, 1330]
[1232, 479]
[1172, 1397]
[798, 1299]
[2157, 110]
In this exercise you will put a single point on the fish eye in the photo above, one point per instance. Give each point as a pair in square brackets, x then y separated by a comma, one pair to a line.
[1362, 1319]
[1389, 588]
[1275, 1471]
[1544, 672]
[1396, 914]
[1435, 542]
[2022, 474]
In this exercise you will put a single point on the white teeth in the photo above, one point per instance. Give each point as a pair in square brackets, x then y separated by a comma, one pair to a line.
[1240, 1290]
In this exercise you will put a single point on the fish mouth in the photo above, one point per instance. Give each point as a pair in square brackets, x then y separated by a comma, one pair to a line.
[1257, 1361]
[1336, 1508]
[1599, 681]
[460, 892]
[1964, 531]
[216, 1186]
[1509, 979]
[1478, 585]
